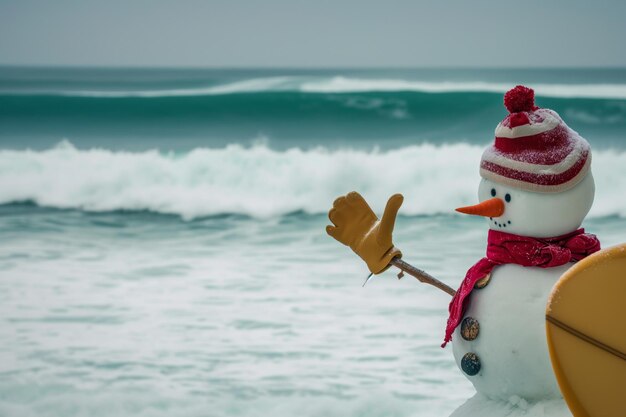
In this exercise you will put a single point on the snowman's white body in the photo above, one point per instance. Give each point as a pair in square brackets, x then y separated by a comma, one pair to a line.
[511, 343]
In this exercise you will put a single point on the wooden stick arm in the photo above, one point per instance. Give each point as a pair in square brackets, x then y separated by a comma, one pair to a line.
[421, 275]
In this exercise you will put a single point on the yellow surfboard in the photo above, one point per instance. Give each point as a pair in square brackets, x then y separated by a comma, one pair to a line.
[586, 329]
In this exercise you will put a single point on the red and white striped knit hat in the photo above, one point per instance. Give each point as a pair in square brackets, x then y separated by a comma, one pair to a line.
[534, 149]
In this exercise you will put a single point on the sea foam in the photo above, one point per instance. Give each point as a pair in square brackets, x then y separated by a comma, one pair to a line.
[261, 182]
[354, 85]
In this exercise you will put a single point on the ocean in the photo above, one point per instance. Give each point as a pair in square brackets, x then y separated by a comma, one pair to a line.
[163, 247]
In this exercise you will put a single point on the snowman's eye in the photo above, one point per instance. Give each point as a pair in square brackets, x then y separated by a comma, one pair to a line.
[493, 192]
[507, 197]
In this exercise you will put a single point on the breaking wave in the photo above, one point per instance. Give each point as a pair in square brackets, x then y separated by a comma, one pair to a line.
[261, 182]
[342, 84]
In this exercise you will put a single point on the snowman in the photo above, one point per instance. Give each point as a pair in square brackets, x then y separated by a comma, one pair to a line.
[535, 191]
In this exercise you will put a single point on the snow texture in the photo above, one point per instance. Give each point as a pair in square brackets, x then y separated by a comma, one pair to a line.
[479, 405]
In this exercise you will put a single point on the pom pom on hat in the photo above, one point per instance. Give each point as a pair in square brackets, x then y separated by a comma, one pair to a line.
[534, 150]
[520, 99]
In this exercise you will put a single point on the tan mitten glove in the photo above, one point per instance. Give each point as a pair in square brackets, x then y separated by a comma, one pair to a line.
[356, 226]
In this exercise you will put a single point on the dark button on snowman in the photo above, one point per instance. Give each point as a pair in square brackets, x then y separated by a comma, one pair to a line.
[470, 328]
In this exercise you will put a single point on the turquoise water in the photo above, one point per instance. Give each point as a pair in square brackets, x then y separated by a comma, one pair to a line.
[164, 253]
[185, 109]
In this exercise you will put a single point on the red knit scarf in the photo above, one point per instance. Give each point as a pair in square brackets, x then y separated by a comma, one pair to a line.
[506, 248]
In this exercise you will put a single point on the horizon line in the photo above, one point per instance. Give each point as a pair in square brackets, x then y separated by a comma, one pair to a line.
[303, 68]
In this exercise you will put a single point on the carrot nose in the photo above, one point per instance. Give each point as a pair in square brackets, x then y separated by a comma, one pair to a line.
[494, 207]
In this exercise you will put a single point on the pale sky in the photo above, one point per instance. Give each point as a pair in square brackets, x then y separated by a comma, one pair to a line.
[322, 33]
